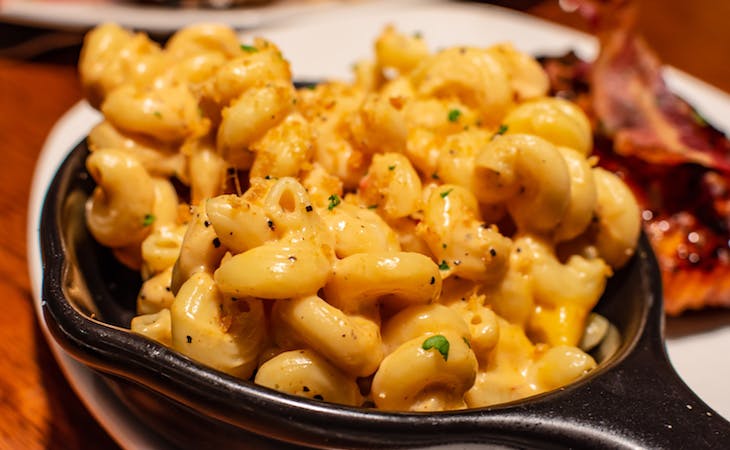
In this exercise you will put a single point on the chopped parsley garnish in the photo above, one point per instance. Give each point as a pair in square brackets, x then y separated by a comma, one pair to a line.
[501, 130]
[375, 206]
[446, 192]
[391, 167]
[454, 115]
[157, 114]
[249, 48]
[466, 341]
[148, 220]
[438, 342]
[444, 265]
[435, 176]
[334, 200]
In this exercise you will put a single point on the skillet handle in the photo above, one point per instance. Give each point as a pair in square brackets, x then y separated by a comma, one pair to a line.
[638, 400]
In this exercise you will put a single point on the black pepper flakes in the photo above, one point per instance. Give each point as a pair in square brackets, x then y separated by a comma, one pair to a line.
[216, 242]
[271, 225]
[318, 397]
[206, 224]
[309, 208]
[305, 388]
[433, 280]
[292, 258]
[493, 252]
[189, 338]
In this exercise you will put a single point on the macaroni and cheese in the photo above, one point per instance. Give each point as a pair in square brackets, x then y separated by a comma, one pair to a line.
[432, 235]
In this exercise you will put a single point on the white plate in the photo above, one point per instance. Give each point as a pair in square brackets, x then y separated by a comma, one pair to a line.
[83, 14]
[324, 47]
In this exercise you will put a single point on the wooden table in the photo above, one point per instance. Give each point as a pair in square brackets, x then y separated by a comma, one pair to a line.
[38, 410]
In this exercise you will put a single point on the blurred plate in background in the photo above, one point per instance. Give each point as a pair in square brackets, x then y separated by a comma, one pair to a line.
[161, 17]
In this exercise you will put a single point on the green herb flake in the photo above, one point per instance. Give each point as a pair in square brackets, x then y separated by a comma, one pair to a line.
[391, 167]
[249, 48]
[157, 114]
[501, 130]
[454, 115]
[435, 176]
[444, 265]
[445, 193]
[334, 200]
[375, 206]
[466, 341]
[148, 220]
[440, 343]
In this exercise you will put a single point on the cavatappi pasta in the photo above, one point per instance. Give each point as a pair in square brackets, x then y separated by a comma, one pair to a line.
[430, 236]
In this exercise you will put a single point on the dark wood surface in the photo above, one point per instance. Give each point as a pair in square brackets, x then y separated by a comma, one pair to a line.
[38, 410]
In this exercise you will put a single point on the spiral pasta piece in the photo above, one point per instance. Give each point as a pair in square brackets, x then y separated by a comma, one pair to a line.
[530, 175]
[459, 239]
[200, 251]
[351, 342]
[554, 119]
[619, 221]
[112, 57]
[413, 378]
[306, 374]
[205, 329]
[120, 209]
[359, 280]
[481, 81]
[275, 270]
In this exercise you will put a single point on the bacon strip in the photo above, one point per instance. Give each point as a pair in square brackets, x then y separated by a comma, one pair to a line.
[677, 165]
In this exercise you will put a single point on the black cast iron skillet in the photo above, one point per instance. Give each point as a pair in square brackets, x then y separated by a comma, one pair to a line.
[633, 400]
